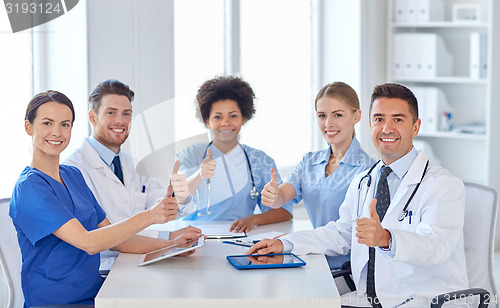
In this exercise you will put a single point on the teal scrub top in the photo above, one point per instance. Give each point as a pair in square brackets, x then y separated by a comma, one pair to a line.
[53, 271]
[323, 195]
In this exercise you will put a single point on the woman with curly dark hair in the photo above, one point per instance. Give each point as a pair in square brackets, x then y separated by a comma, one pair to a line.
[225, 176]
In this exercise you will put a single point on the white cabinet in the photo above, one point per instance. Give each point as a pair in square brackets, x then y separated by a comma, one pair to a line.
[441, 53]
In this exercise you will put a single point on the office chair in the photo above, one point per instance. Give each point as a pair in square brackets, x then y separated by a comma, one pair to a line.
[11, 262]
[10, 257]
[481, 203]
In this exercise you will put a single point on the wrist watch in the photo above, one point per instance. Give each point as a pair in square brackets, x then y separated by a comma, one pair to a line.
[389, 246]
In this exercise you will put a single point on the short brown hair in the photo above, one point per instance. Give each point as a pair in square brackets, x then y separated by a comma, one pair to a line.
[222, 88]
[110, 86]
[394, 90]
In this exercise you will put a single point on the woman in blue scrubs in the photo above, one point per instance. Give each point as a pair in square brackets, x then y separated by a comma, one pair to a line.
[321, 179]
[60, 226]
[225, 177]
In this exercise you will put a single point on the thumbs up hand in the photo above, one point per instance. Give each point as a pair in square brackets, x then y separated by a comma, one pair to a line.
[270, 193]
[207, 168]
[369, 230]
[179, 184]
[165, 209]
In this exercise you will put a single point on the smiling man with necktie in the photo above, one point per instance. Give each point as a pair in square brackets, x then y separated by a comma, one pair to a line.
[397, 258]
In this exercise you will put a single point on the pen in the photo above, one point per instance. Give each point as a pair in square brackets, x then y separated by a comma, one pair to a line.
[409, 214]
[247, 243]
[238, 244]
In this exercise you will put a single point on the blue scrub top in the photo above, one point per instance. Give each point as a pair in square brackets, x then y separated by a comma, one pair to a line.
[53, 271]
[323, 195]
[240, 204]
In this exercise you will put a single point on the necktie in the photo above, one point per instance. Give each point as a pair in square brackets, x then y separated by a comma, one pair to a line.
[118, 168]
[383, 200]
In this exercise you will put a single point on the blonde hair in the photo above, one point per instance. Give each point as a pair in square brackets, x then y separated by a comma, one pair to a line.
[341, 91]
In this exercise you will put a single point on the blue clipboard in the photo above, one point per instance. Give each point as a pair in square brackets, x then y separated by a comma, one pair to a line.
[276, 260]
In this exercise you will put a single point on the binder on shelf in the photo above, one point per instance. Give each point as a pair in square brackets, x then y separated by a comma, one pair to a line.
[420, 55]
[430, 10]
[417, 56]
[432, 104]
[411, 8]
[400, 11]
[398, 54]
[418, 10]
[437, 60]
[478, 55]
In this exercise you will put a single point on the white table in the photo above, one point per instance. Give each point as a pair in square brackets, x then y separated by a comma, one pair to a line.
[207, 279]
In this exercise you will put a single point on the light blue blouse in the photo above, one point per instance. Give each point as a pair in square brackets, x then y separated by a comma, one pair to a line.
[323, 195]
[239, 204]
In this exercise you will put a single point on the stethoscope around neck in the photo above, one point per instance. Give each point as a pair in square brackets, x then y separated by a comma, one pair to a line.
[254, 194]
[368, 179]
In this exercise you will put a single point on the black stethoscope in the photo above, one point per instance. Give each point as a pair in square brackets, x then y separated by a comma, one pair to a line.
[368, 179]
[254, 194]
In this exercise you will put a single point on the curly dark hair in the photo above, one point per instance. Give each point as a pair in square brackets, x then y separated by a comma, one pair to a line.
[221, 88]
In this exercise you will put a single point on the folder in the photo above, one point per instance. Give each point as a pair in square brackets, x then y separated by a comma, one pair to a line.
[419, 93]
[437, 60]
[478, 51]
[417, 56]
[432, 103]
[408, 49]
[483, 59]
[400, 13]
[398, 43]
[435, 105]
[474, 54]
[411, 9]
[430, 10]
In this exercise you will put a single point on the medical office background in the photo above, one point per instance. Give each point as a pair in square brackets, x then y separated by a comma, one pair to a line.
[287, 50]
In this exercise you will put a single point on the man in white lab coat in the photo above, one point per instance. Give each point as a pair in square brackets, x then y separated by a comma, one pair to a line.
[418, 247]
[120, 194]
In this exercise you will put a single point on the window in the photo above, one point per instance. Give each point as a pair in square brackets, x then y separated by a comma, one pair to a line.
[199, 56]
[16, 86]
[274, 56]
[276, 60]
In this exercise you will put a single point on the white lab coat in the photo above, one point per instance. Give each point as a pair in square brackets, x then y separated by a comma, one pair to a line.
[119, 201]
[428, 257]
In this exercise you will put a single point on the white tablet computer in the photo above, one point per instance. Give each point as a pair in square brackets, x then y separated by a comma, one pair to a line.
[171, 251]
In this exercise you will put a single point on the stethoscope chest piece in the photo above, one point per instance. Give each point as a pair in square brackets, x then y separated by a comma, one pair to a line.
[254, 194]
[403, 214]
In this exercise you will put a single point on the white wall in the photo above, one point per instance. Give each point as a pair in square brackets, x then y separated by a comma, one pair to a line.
[132, 41]
[60, 63]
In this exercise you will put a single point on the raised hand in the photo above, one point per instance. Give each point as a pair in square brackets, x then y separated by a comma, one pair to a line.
[207, 168]
[165, 208]
[369, 230]
[179, 183]
[270, 193]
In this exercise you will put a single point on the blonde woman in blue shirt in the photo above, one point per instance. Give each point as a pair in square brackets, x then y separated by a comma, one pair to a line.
[321, 179]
